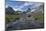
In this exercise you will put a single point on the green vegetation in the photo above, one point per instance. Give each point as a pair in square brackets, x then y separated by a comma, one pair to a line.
[12, 15]
[39, 17]
[10, 18]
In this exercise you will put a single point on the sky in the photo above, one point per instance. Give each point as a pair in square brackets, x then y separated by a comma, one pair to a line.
[22, 5]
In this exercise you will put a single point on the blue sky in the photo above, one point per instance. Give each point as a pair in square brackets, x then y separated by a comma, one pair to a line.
[22, 5]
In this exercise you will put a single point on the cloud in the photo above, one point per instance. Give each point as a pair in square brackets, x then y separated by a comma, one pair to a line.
[36, 4]
[6, 6]
[22, 5]
[25, 5]
[15, 9]
[33, 10]
[20, 0]
[28, 3]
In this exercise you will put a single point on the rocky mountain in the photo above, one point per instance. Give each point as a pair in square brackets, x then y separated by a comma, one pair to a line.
[9, 10]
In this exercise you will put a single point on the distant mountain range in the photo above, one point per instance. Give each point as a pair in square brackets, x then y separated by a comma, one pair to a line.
[10, 10]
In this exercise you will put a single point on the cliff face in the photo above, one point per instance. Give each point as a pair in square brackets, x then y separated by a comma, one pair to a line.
[9, 10]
